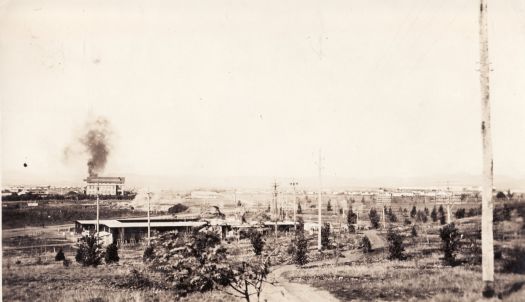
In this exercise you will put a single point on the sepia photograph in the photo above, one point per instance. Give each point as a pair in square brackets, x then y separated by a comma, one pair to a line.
[262, 151]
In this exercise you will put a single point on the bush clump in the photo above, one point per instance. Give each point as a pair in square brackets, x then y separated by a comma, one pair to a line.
[514, 260]
[257, 241]
[178, 208]
[450, 238]
[395, 245]
[111, 254]
[60, 256]
[89, 252]
[374, 218]
[366, 245]
[325, 236]
[149, 253]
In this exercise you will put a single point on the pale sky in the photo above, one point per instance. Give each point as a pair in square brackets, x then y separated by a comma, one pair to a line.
[254, 88]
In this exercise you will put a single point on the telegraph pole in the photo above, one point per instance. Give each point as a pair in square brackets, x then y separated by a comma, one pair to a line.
[98, 212]
[293, 184]
[149, 220]
[487, 240]
[319, 202]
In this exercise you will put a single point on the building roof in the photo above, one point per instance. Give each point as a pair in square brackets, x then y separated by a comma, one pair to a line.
[105, 180]
[112, 223]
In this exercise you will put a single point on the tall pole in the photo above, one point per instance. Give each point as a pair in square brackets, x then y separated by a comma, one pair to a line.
[487, 240]
[319, 203]
[149, 220]
[98, 212]
[293, 184]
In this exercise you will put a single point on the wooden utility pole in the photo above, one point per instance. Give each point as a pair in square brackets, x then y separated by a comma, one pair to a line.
[149, 220]
[293, 184]
[319, 198]
[98, 213]
[487, 240]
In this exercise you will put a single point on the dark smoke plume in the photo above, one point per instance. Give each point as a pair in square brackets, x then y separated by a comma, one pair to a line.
[97, 145]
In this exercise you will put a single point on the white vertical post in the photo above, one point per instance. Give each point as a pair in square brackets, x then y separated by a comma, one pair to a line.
[149, 220]
[98, 212]
[487, 240]
[319, 198]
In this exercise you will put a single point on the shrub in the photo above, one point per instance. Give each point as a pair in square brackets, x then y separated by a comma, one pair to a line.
[413, 212]
[300, 250]
[407, 221]
[426, 211]
[514, 260]
[256, 239]
[392, 217]
[460, 213]
[133, 280]
[351, 219]
[299, 208]
[325, 235]
[60, 256]
[395, 245]
[329, 206]
[441, 215]
[89, 252]
[433, 214]
[450, 237]
[111, 254]
[149, 253]
[421, 216]
[374, 218]
[413, 232]
[366, 245]
[178, 208]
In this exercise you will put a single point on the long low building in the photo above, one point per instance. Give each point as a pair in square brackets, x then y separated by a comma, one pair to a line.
[134, 229]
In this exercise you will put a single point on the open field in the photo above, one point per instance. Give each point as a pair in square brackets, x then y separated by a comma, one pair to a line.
[31, 274]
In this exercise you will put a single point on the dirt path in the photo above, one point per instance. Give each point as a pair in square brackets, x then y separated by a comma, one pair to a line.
[283, 290]
[292, 292]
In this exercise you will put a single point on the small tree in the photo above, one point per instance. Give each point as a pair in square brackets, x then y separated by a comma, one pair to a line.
[433, 215]
[351, 219]
[111, 254]
[300, 245]
[329, 206]
[325, 235]
[395, 245]
[441, 215]
[421, 216]
[413, 232]
[374, 218]
[257, 241]
[413, 212]
[299, 208]
[450, 238]
[426, 211]
[89, 252]
[460, 213]
[366, 245]
[149, 253]
[60, 256]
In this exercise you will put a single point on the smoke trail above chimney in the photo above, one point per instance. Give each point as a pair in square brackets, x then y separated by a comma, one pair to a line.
[96, 141]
